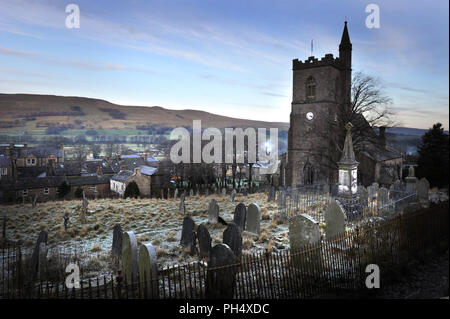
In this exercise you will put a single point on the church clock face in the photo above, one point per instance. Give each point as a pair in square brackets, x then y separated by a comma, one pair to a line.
[309, 116]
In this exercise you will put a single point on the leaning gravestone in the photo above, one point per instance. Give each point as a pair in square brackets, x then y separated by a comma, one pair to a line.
[240, 215]
[213, 211]
[117, 241]
[232, 195]
[233, 238]
[204, 241]
[423, 187]
[253, 219]
[335, 219]
[129, 257]
[187, 237]
[148, 271]
[220, 279]
[303, 230]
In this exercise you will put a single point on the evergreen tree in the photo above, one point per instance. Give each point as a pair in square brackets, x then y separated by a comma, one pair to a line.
[434, 156]
[78, 192]
[63, 189]
[132, 190]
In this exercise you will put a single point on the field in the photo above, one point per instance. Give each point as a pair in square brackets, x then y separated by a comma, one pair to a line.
[152, 220]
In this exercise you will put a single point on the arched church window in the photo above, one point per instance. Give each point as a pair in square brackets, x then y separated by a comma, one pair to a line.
[310, 89]
[308, 173]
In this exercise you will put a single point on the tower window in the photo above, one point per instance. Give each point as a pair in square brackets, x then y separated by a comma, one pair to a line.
[310, 89]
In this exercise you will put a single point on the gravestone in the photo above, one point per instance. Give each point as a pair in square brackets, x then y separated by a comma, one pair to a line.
[335, 219]
[204, 241]
[233, 238]
[175, 194]
[245, 192]
[224, 191]
[423, 187]
[220, 279]
[129, 257]
[66, 222]
[371, 192]
[363, 196]
[213, 211]
[382, 197]
[182, 207]
[240, 215]
[191, 193]
[42, 262]
[272, 194]
[253, 218]
[206, 192]
[162, 193]
[411, 181]
[117, 241]
[303, 230]
[232, 195]
[187, 237]
[34, 261]
[148, 271]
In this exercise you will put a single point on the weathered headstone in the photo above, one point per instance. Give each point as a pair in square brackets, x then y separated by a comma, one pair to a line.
[182, 207]
[224, 191]
[220, 279]
[42, 262]
[117, 241]
[191, 193]
[253, 218]
[232, 195]
[240, 215]
[423, 187]
[244, 192]
[129, 257]
[382, 197]
[363, 196]
[303, 230]
[34, 261]
[204, 240]
[371, 192]
[335, 219]
[272, 194]
[187, 231]
[233, 238]
[213, 211]
[66, 222]
[148, 271]
[175, 194]
[207, 192]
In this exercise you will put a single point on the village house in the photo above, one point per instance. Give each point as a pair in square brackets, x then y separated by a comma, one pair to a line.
[142, 175]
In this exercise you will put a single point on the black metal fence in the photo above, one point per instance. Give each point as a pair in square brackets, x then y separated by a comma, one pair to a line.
[327, 268]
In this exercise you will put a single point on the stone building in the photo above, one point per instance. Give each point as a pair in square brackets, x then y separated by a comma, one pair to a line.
[321, 93]
[142, 175]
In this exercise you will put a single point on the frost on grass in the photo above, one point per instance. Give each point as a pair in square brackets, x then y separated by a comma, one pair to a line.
[153, 221]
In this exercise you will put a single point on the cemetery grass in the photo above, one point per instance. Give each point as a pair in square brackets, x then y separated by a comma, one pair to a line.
[156, 221]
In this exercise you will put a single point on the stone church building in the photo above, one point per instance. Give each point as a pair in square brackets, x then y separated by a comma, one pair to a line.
[321, 88]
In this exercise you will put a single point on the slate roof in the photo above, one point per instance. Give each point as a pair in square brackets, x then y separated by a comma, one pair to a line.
[43, 151]
[147, 170]
[32, 183]
[122, 176]
[88, 180]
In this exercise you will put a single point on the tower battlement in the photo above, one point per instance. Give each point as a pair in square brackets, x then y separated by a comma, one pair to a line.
[311, 62]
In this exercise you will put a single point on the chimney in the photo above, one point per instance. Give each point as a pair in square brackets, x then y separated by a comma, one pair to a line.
[382, 135]
[25, 146]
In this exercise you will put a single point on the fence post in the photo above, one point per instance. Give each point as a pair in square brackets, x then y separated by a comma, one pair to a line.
[119, 284]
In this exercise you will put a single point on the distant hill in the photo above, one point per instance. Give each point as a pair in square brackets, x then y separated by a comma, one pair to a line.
[29, 112]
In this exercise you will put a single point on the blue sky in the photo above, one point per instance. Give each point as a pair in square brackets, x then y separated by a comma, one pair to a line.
[227, 57]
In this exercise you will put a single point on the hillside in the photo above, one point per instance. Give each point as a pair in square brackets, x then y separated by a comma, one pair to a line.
[36, 112]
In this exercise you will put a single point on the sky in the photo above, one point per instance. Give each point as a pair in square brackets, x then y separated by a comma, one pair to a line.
[231, 57]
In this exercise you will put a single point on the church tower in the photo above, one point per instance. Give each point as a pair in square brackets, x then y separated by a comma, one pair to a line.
[320, 89]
